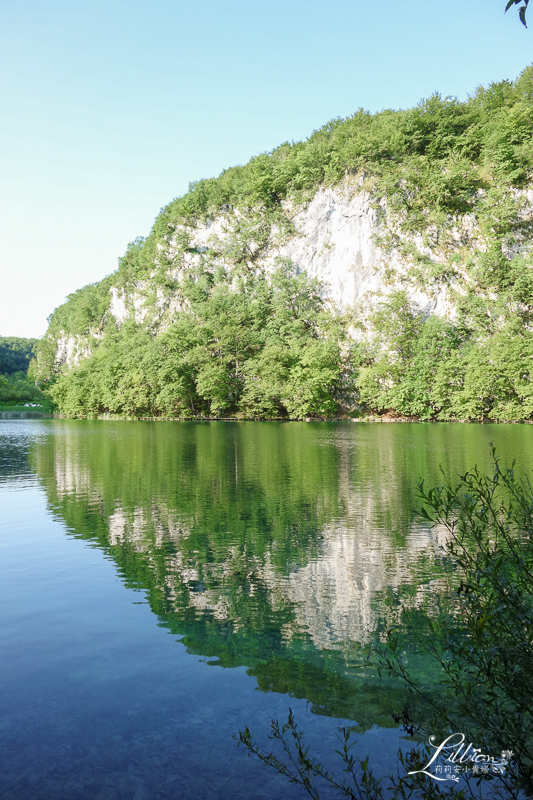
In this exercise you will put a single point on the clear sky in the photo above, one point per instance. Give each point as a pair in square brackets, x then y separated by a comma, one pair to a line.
[111, 107]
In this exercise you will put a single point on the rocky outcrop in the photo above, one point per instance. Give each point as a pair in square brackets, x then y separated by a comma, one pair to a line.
[72, 349]
[336, 239]
[343, 237]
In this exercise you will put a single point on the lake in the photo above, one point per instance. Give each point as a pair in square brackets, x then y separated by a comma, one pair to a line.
[165, 584]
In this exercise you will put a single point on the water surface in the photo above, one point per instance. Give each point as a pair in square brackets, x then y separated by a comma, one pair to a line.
[163, 584]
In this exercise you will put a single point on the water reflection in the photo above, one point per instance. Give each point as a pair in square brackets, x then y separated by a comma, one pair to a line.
[246, 524]
[279, 547]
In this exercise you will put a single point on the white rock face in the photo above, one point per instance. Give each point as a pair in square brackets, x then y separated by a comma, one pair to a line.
[122, 305]
[71, 350]
[336, 244]
[118, 307]
[335, 241]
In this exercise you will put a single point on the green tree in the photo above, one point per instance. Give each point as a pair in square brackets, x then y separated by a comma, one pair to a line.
[239, 346]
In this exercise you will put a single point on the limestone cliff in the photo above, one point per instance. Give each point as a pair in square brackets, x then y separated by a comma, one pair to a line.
[337, 237]
[414, 228]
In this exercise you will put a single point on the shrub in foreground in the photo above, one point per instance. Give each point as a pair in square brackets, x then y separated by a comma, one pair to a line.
[482, 645]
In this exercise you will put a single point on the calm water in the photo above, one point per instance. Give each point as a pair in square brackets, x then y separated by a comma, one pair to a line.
[163, 584]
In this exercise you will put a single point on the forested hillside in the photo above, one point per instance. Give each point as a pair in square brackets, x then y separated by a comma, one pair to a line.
[213, 313]
[15, 357]
[16, 354]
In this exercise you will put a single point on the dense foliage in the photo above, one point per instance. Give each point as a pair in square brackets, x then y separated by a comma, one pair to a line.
[205, 331]
[257, 348]
[16, 354]
[17, 389]
[432, 368]
[17, 358]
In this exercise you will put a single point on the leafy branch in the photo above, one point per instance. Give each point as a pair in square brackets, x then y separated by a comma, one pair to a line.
[483, 646]
[521, 11]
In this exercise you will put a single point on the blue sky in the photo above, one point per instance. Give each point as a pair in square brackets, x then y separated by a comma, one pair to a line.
[110, 109]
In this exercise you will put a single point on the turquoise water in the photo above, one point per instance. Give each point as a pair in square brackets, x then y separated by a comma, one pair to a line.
[164, 584]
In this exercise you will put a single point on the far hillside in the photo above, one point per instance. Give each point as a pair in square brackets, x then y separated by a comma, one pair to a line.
[16, 354]
[17, 388]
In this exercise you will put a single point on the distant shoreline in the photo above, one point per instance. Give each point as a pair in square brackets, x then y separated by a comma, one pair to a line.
[370, 418]
[25, 415]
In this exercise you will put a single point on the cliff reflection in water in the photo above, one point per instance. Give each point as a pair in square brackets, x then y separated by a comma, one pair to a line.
[274, 546]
